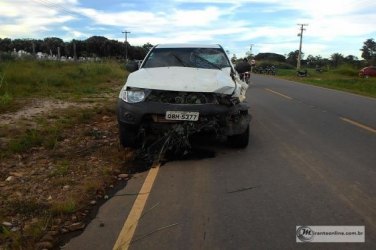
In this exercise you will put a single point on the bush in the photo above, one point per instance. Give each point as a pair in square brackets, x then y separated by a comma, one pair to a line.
[346, 70]
[278, 65]
[6, 56]
[5, 99]
[285, 66]
[32, 138]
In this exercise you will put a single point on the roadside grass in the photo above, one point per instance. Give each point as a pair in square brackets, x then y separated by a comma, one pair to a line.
[35, 230]
[57, 135]
[47, 131]
[30, 235]
[63, 171]
[343, 78]
[32, 138]
[22, 79]
[66, 206]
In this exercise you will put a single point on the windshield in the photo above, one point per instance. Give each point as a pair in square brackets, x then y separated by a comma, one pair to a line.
[206, 58]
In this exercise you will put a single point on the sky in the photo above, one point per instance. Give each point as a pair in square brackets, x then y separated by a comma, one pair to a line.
[334, 26]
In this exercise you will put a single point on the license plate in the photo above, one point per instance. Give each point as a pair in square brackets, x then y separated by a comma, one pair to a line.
[182, 116]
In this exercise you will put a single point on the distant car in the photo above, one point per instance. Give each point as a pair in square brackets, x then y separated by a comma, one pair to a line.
[368, 71]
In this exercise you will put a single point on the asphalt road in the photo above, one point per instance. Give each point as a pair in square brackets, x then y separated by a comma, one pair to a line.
[311, 161]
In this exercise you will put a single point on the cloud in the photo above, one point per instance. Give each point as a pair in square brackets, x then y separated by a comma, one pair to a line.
[143, 21]
[270, 24]
[72, 33]
[153, 22]
[30, 18]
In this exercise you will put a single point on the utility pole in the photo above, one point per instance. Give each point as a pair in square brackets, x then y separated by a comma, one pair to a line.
[300, 45]
[58, 53]
[251, 50]
[33, 44]
[126, 44]
[253, 62]
[74, 51]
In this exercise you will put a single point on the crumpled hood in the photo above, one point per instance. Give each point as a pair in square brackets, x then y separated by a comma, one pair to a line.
[183, 79]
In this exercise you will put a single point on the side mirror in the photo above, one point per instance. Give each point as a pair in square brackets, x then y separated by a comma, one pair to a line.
[131, 66]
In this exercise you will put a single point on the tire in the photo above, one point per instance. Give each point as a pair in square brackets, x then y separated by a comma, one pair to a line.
[239, 140]
[128, 136]
[248, 80]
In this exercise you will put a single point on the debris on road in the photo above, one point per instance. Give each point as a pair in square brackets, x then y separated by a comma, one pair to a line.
[242, 189]
[175, 141]
[156, 230]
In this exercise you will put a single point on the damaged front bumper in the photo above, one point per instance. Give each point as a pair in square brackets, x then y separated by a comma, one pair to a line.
[223, 119]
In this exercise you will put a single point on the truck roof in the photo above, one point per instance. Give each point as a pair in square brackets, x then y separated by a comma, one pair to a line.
[187, 45]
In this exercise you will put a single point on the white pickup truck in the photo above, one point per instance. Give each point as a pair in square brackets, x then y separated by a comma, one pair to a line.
[193, 86]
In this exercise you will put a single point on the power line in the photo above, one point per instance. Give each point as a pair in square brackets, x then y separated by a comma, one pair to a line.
[57, 7]
[300, 44]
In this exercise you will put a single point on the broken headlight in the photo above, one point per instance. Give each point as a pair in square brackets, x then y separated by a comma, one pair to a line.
[134, 95]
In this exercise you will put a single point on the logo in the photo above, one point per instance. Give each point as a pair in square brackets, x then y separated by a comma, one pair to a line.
[304, 233]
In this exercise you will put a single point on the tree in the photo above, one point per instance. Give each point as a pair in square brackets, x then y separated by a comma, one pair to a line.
[292, 57]
[314, 61]
[50, 44]
[311, 60]
[5, 44]
[352, 60]
[369, 51]
[270, 57]
[249, 55]
[21, 44]
[96, 46]
[147, 46]
[93, 46]
[337, 59]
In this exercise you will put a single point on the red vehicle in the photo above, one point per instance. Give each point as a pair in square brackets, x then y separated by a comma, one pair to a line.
[368, 71]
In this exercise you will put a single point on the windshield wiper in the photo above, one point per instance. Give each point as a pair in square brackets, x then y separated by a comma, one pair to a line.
[179, 59]
[208, 62]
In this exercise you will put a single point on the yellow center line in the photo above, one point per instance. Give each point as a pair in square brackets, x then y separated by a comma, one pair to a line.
[280, 94]
[126, 234]
[358, 124]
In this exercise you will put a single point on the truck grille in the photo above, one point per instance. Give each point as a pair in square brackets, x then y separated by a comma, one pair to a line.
[174, 97]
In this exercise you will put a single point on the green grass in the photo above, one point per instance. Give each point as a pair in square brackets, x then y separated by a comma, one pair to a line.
[46, 133]
[61, 169]
[343, 78]
[26, 207]
[32, 138]
[47, 137]
[22, 79]
[64, 207]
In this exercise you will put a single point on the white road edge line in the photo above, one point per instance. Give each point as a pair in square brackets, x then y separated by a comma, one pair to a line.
[280, 94]
[126, 234]
[358, 124]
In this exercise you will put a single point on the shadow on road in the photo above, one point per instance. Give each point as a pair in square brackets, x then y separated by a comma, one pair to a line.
[200, 147]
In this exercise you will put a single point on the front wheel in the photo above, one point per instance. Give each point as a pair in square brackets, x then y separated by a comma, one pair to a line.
[128, 136]
[239, 140]
[248, 80]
